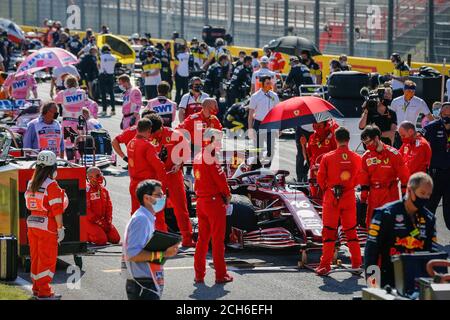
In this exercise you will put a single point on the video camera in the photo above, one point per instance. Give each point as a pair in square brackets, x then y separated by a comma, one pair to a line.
[372, 98]
[210, 34]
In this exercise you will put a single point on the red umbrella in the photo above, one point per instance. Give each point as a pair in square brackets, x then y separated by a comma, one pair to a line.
[299, 111]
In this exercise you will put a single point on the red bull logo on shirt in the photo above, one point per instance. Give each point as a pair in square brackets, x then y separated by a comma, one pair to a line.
[409, 243]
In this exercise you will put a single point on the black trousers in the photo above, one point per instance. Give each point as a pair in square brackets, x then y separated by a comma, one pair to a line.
[182, 87]
[264, 136]
[135, 291]
[106, 86]
[151, 92]
[441, 190]
[301, 167]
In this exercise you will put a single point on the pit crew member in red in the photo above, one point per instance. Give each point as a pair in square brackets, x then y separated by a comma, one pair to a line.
[197, 123]
[382, 168]
[166, 140]
[404, 226]
[415, 150]
[319, 143]
[337, 177]
[143, 164]
[213, 197]
[47, 202]
[100, 229]
[126, 136]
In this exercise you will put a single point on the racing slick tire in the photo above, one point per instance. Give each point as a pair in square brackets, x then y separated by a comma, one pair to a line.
[243, 216]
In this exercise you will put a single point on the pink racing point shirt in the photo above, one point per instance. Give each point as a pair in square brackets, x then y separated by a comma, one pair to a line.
[132, 102]
[20, 86]
[72, 100]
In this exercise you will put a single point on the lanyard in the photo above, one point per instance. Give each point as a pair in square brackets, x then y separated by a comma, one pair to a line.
[406, 105]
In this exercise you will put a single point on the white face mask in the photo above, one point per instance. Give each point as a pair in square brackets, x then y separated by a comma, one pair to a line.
[121, 87]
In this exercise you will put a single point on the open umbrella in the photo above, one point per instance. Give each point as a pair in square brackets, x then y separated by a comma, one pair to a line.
[46, 58]
[293, 45]
[15, 34]
[299, 111]
[123, 52]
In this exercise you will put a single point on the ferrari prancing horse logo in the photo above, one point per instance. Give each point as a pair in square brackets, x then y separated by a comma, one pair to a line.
[344, 156]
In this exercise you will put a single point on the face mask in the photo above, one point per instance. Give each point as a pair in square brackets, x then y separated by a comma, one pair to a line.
[159, 204]
[420, 203]
[372, 147]
[55, 115]
[197, 88]
[446, 120]
[408, 140]
[409, 95]
[121, 87]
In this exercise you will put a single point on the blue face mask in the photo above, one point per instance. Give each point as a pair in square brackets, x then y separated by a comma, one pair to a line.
[160, 204]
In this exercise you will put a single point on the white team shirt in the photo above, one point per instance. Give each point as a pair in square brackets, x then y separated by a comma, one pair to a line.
[183, 64]
[107, 63]
[262, 103]
[409, 111]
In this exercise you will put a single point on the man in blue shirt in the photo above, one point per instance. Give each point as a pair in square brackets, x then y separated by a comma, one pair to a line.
[44, 133]
[438, 135]
[144, 269]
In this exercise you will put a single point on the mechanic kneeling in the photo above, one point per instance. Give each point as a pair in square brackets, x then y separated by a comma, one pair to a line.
[337, 177]
[404, 226]
[100, 229]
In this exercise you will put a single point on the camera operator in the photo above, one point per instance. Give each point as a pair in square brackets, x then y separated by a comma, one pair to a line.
[376, 112]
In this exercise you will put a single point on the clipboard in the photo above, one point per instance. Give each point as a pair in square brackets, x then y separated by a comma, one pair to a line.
[161, 241]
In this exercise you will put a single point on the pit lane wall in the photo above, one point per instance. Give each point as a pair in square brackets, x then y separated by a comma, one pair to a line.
[366, 65]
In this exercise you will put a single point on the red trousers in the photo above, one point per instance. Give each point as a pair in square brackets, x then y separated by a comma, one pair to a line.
[177, 197]
[101, 235]
[378, 198]
[345, 210]
[314, 189]
[160, 223]
[212, 222]
[44, 253]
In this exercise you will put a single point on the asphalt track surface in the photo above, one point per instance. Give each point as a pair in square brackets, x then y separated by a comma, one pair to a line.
[258, 274]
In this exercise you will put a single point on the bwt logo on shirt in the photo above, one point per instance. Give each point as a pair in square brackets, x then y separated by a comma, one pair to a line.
[76, 98]
[163, 108]
[19, 84]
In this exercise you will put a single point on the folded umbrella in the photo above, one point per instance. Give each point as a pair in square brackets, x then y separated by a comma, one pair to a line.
[46, 58]
[293, 45]
[299, 111]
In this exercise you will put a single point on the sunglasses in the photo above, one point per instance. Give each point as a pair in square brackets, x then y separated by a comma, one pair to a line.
[409, 88]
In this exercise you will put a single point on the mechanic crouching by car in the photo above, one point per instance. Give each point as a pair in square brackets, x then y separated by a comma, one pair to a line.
[337, 177]
[100, 229]
[403, 226]
[241, 81]
[382, 168]
[144, 269]
[376, 112]
[213, 197]
[438, 135]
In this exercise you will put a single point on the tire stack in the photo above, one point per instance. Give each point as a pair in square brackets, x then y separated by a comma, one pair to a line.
[343, 91]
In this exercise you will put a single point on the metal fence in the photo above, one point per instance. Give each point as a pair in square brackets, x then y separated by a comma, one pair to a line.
[369, 28]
